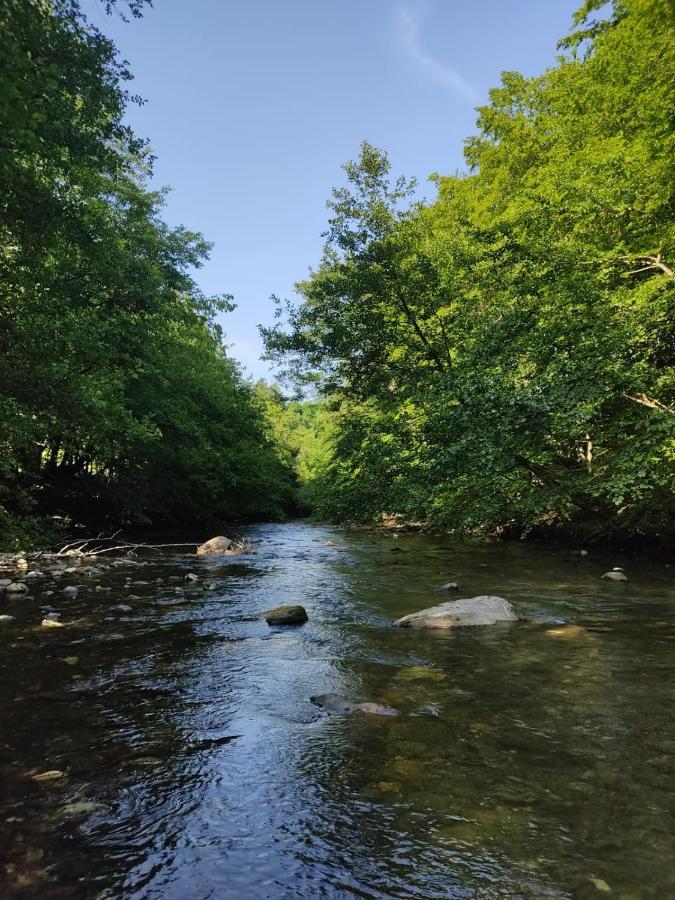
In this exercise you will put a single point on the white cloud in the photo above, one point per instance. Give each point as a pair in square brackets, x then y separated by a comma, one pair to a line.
[408, 30]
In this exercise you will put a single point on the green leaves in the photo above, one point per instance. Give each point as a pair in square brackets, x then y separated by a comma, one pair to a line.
[117, 399]
[504, 359]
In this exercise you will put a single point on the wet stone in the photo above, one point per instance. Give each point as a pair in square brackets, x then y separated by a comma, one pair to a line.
[17, 587]
[286, 615]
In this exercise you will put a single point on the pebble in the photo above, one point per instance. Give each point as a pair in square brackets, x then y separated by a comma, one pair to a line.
[191, 577]
[615, 575]
[51, 775]
[17, 587]
[70, 591]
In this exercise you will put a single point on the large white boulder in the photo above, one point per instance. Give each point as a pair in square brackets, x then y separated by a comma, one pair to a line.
[483, 610]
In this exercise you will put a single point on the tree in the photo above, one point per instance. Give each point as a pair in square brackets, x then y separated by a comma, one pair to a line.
[504, 357]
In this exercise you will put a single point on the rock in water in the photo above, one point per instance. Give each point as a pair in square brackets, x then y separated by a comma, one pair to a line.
[217, 546]
[340, 706]
[286, 615]
[615, 575]
[450, 586]
[17, 587]
[482, 610]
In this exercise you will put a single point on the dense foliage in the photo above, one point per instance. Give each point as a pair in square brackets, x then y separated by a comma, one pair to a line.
[503, 359]
[117, 400]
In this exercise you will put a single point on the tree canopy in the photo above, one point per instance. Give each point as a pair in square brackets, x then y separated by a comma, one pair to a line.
[117, 399]
[502, 359]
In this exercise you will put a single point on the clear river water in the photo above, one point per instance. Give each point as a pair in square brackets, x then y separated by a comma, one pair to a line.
[168, 748]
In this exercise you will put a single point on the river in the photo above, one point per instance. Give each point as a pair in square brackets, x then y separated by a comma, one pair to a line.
[171, 750]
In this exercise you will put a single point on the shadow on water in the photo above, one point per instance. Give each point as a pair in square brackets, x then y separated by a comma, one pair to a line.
[163, 744]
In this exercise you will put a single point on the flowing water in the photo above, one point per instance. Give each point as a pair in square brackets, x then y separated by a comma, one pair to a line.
[171, 750]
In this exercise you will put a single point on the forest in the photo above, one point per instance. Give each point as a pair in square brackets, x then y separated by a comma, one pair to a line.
[497, 361]
[500, 361]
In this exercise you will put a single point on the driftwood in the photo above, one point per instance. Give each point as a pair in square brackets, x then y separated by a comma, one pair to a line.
[100, 545]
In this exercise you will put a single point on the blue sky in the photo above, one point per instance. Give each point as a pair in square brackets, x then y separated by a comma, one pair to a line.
[252, 107]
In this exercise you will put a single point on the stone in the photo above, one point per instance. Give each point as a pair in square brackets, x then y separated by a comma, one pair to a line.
[51, 775]
[21, 564]
[70, 591]
[482, 610]
[450, 586]
[191, 577]
[566, 631]
[217, 546]
[5, 618]
[17, 587]
[80, 808]
[340, 706]
[5, 583]
[122, 608]
[34, 574]
[615, 575]
[286, 615]
[210, 586]
[49, 622]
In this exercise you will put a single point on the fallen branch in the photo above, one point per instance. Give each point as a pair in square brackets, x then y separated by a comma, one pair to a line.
[79, 548]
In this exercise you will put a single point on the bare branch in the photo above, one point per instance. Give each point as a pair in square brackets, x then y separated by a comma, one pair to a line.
[650, 402]
[652, 262]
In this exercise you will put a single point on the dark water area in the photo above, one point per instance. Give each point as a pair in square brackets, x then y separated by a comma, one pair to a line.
[171, 750]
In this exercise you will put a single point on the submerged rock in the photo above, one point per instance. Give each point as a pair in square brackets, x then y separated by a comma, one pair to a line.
[340, 706]
[287, 615]
[191, 577]
[483, 610]
[450, 586]
[566, 631]
[615, 575]
[6, 618]
[217, 546]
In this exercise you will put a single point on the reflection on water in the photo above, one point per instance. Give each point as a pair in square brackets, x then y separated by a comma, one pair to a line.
[172, 751]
